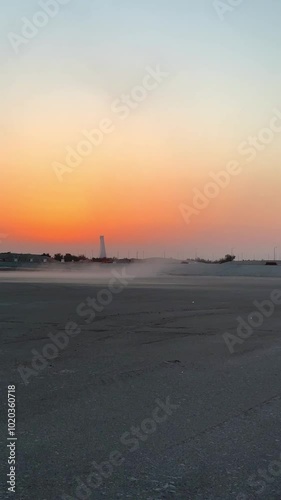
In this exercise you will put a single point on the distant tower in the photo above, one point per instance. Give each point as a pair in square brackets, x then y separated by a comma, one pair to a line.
[102, 248]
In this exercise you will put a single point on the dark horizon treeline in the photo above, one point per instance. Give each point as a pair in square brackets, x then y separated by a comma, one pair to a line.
[68, 257]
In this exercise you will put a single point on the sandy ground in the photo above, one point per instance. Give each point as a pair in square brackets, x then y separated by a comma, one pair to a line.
[101, 398]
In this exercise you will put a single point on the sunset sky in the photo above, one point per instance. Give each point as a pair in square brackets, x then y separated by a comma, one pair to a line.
[221, 86]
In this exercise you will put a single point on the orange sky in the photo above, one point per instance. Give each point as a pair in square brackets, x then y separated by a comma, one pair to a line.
[131, 186]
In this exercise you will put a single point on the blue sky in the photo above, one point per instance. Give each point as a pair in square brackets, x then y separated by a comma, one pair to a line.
[224, 83]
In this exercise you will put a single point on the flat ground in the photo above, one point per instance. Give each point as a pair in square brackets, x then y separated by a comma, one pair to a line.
[152, 342]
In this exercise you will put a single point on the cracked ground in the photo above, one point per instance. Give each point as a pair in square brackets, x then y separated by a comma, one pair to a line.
[153, 342]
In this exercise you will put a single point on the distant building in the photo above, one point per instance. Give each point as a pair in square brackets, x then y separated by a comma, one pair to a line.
[24, 258]
[102, 248]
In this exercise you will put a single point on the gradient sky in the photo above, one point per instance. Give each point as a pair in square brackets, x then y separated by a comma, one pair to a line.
[223, 85]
